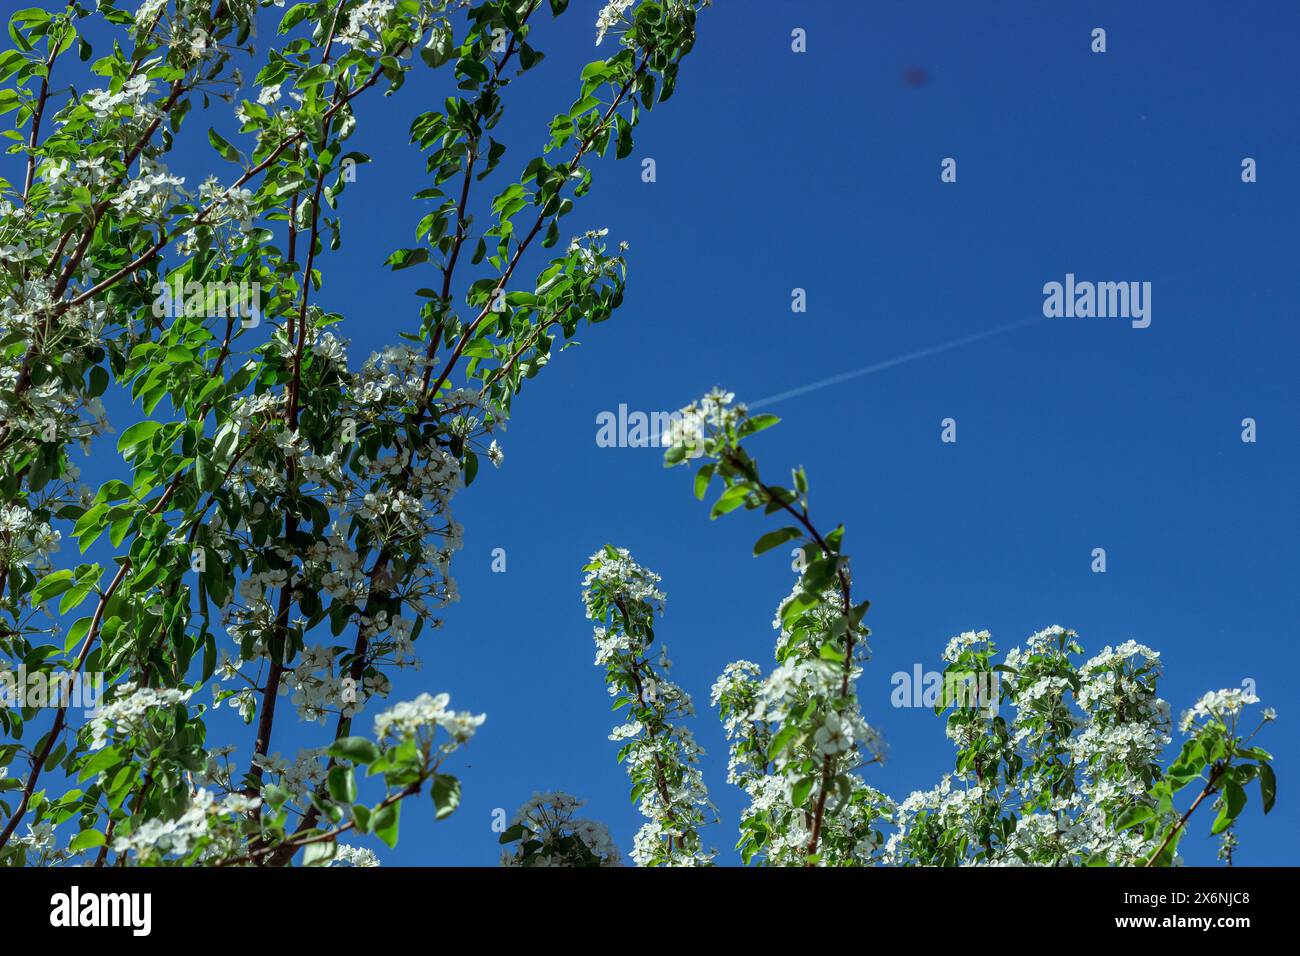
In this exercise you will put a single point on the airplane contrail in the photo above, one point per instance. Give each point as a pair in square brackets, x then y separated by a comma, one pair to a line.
[890, 363]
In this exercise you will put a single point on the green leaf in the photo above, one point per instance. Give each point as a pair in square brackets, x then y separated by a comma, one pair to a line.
[223, 446]
[514, 833]
[782, 740]
[90, 525]
[731, 499]
[1134, 816]
[10, 62]
[52, 585]
[223, 148]
[756, 424]
[320, 853]
[99, 762]
[438, 50]
[818, 574]
[119, 528]
[773, 538]
[800, 791]
[74, 596]
[98, 381]
[829, 652]
[204, 472]
[702, 479]
[797, 605]
[357, 749]
[1234, 799]
[446, 794]
[85, 840]
[384, 822]
[405, 258]
[1267, 786]
[342, 785]
[76, 633]
[137, 434]
[295, 15]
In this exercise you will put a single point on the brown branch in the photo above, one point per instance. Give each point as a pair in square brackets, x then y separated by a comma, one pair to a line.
[357, 669]
[40, 111]
[458, 240]
[660, 775]
[294, 843]
[271, 689]
[828, 761]
[92, 634]
[152, 252]
[583, 147]
[1215, 773]
[25, 382]
[60, 717]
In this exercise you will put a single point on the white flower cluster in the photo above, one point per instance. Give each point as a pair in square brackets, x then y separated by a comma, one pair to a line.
[151, 193]
[690, 427]
[802, 695]
[548, 819]
[49, 410]
[26, 541]
[618, 578]
[177, 836]
[149, 12]
[227, 204]
[39, 841]
[947, 806]
[1127, 725]
[66, 175]
[125, 714]
[788, 689]
[354, 856]
[736, 691]
[661, 756]
[1075, 829]
[964, 641]
[1098, 726]
[317, 691]
[670, 819]
[610, 16]
[365, 22]
[410, 718]
[1222, 706]
[301, 776]
[590, 251]
[399, 500]
[129, 102]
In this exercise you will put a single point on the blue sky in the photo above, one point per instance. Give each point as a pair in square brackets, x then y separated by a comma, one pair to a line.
[820, 170]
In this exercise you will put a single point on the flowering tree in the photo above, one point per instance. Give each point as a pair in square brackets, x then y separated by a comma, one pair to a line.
[548, 834]
[281, 523]
[1073, 777]
[661, 755]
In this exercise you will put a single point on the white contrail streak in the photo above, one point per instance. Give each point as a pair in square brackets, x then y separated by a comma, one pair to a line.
[890, 363]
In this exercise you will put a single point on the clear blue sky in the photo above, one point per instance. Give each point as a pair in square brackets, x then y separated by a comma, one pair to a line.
[821, 171]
